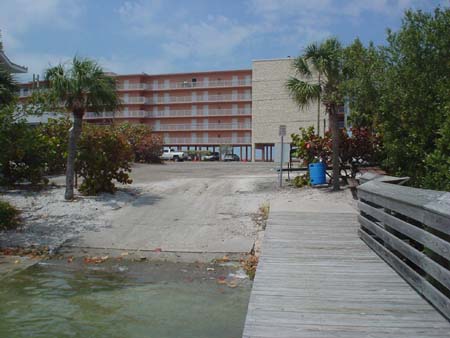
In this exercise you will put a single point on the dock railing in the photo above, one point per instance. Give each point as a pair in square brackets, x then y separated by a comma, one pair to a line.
[410, 229]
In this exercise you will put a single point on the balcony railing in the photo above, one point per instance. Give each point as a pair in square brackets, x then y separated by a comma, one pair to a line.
[202, 84]
[104, 115]
[209, 126]
[209, 112]
[209, 140]
[169, 114]
[136, 100]
[209, 98]
[133, 86]
[121, 114]
[184, 85]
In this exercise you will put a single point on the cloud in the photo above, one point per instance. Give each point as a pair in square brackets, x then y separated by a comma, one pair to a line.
[20, 16]
[128, 65]
[181, 35]
[37, 63]
[158, 36]
[326, 8]
[299, 22]
[217, 36]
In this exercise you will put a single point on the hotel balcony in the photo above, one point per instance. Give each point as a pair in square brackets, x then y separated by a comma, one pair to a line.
[133, 86]
[185, 85]
[206, 141]
[200, 127]
[169, 113]
[203, 84]
[104, 115]
[209, 112]
[209, 98]
[136, 100]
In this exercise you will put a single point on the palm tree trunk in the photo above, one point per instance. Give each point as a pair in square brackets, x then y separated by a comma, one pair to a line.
[335, 146]
[75, 132]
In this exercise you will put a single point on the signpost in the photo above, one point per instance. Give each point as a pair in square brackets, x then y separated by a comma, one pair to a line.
[282, 134]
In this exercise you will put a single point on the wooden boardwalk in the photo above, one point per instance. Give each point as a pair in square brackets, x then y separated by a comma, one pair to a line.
[316, 278]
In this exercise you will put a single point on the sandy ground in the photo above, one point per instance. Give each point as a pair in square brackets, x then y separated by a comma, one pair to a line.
[177, 207]
[49, 220]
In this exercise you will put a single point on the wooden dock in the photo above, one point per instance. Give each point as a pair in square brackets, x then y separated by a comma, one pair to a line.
[316, 278]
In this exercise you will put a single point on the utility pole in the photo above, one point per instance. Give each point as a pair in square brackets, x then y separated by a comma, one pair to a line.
[282, 134]
[318, 111]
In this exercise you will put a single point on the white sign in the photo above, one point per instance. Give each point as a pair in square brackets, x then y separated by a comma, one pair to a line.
[282, 130]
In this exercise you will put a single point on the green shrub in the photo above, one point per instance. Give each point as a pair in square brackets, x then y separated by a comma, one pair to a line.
[149, 149]
[9, 216]
[22, 155]
[104, 155]
[55, 135]
[301, 180]
[437, 163]
[363, 146]
[311, 147]
[146, 147]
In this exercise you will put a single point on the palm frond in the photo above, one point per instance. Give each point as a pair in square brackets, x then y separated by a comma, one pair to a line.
[83, 86]
[301, 66]
[303, 92]
[8, 87]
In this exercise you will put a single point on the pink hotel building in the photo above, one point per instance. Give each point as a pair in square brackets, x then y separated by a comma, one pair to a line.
[241, 109]
[192, 111]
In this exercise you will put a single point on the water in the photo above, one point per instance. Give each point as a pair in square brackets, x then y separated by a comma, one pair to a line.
[123, 300]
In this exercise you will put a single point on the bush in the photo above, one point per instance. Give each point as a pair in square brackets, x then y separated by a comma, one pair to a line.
[301, 181]
[104, 155]
[9, 216]
[362, 147]
[437, 163]
[55, 135]
[149, 149]
[311, 147]
[22, 158]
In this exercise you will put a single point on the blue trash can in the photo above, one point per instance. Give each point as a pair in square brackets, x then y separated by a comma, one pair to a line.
[317, 173]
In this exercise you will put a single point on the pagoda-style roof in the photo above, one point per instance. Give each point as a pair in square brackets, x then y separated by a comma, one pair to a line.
[9, 65]
[5, 62]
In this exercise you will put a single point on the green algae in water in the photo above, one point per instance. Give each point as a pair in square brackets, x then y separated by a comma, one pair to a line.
[126, 301]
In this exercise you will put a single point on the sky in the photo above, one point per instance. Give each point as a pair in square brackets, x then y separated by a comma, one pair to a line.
[166, 36]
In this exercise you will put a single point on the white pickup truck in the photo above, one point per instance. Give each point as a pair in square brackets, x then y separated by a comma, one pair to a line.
[170, 154]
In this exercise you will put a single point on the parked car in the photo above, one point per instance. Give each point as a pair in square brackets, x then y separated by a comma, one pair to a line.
[171, 154]
[214, 156]
[231, 157]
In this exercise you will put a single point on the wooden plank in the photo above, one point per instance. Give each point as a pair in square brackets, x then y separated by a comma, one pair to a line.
[426, 206]
[437, 271]
[316, 278]
[422, 236]
[418, 282]
[370, 176]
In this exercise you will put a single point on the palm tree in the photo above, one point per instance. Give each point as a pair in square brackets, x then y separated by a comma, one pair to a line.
[8, 87]
[77, 88]
[325, 60]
